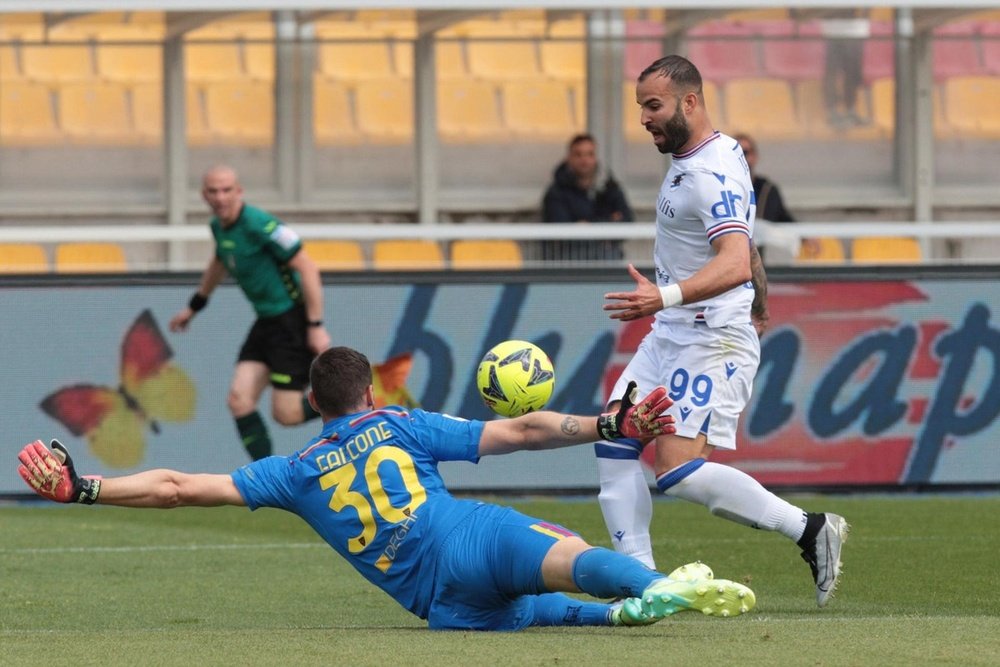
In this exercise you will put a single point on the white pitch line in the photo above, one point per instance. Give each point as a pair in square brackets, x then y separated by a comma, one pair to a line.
[164, 547]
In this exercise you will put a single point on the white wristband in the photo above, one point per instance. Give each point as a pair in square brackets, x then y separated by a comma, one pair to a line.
[671, 295]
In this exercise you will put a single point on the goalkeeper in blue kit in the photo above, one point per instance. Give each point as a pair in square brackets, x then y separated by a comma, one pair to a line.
[369, 486]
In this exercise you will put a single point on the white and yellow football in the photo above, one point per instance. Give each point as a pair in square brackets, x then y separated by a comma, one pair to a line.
[514, 378]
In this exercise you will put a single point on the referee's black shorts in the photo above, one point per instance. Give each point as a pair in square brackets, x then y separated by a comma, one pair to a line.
[281, 343]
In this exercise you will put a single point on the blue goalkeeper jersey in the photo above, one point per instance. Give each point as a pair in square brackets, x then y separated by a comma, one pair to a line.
[370, 486]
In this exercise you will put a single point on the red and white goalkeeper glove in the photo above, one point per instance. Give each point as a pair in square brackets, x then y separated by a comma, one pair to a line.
[641, 420]
[51, 474]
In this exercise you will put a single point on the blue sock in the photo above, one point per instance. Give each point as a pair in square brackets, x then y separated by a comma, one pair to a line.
[607, 574]
[560, 609]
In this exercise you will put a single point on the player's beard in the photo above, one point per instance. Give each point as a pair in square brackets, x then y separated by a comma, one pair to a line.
[675, 132]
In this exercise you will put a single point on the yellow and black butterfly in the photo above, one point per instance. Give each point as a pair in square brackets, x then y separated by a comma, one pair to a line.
[151, 389]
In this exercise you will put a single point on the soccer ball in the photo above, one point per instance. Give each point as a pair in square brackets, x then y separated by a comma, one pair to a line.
[514, 378]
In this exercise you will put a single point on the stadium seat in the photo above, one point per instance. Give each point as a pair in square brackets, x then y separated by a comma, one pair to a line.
[956, 51]
[564, 54]
[825, 249]
[878, 56]
[882, 250]
[384, 110]
[971, 106]
[449, 60]
[356, 61]
[503, 60]
[212, 62]
[644, 44]
[540, 109]
[96, 113]
[489, 254]
[90, 258]
[724, 51]
[799, 58]
[258, 60]
[10, 70]
[761, 107]
[130, 64]
[468, 110]
[22, 27]
[56, 63]
[333, 113]
[23, 258]
[335, 255]
[990, 46]
[240, 112]
[27, 114]
[405, 255]
[883, 104]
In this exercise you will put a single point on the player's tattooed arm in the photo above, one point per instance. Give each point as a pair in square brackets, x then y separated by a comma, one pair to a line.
[758, 310]
[570, 425]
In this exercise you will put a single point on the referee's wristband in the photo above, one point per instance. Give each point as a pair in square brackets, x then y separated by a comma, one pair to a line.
[671, 295]
[197, 302]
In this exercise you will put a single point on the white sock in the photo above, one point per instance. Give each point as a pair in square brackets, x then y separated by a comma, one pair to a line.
[627, 506]
[735, 495]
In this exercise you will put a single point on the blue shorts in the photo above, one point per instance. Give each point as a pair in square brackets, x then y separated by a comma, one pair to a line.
[487, 567]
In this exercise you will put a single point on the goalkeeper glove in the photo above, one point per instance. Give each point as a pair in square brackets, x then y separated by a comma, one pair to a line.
[52, 475]
[642, 420]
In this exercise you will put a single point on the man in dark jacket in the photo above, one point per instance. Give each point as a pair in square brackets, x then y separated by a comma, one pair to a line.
[577, 194]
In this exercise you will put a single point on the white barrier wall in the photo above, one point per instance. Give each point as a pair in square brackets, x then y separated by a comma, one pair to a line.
[862, 383]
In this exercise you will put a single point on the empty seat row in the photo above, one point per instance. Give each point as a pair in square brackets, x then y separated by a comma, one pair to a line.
[410, 255]
[69, 258]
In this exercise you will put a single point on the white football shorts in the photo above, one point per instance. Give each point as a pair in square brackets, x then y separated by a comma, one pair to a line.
[707, 372]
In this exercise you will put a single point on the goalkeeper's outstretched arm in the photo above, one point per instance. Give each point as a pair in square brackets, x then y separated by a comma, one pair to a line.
[51, 474]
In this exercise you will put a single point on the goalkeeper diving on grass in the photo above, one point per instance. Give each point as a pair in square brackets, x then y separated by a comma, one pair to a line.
[370, 487]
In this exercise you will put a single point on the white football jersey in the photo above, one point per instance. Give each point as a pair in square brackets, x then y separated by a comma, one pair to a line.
[707, 193]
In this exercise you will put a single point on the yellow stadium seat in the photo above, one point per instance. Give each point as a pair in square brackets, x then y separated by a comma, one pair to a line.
[96, 113]
[240, 112]
[564, 54]
[56, 63]
[259, 61]
[762, 107]
[9, 68]
[335, 255]
[490, 254]
[407, 255]
[212, 62]
[22, 27]
[883, 104]
[503, 60]
[882, 250]
[27, 114]
[356, 61]
[130, 64]
[90, 258]
[23, 258]
[971, 105]
[823, 249]
[333, 113]
[468, 110]
[384, 110]
[449, 60]
[540, 109]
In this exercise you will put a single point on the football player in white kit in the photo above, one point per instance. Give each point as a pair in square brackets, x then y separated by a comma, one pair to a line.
[703, 344]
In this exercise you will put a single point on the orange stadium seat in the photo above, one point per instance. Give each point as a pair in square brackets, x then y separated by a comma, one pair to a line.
[212, 62]
[883, 250]
[240, 111]
[564, 54]
[356, 61]
[23, 258]
[384, 110]
[541, 109]
[258, 59]
[56, 63]
[335, 255]
[761, 107]
[503, 60]
[27, 114]
[823, 249]
[9, 67]
[333, 113]
[972, 105]
[488, 254]
[407, 255]
[96, 113]
[449, 60]
[141, 63]
[90, 258]
[468, 110]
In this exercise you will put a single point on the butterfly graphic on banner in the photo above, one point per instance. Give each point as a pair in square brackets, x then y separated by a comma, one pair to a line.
[151, 389]
[389, 380]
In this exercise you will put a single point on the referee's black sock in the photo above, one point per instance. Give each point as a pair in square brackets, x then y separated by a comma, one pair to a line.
[253, 432]
[308, 412]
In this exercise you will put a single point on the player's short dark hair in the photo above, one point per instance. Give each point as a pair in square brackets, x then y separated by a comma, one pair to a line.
[339, 377]
[681, 72]
[580, 138]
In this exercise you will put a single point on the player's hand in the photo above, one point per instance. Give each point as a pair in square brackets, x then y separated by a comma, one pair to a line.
[318, 339]
[760, 321]
[51, 474]
[181, 320]
[641, 420]
[644, 300]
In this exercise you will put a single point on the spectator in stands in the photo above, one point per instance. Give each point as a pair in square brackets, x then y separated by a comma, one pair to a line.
[846, 31]
[580, 192]
[770, 205]
[283, 284]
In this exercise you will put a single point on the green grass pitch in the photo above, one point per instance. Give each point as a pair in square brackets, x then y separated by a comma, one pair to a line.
[108, 586]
